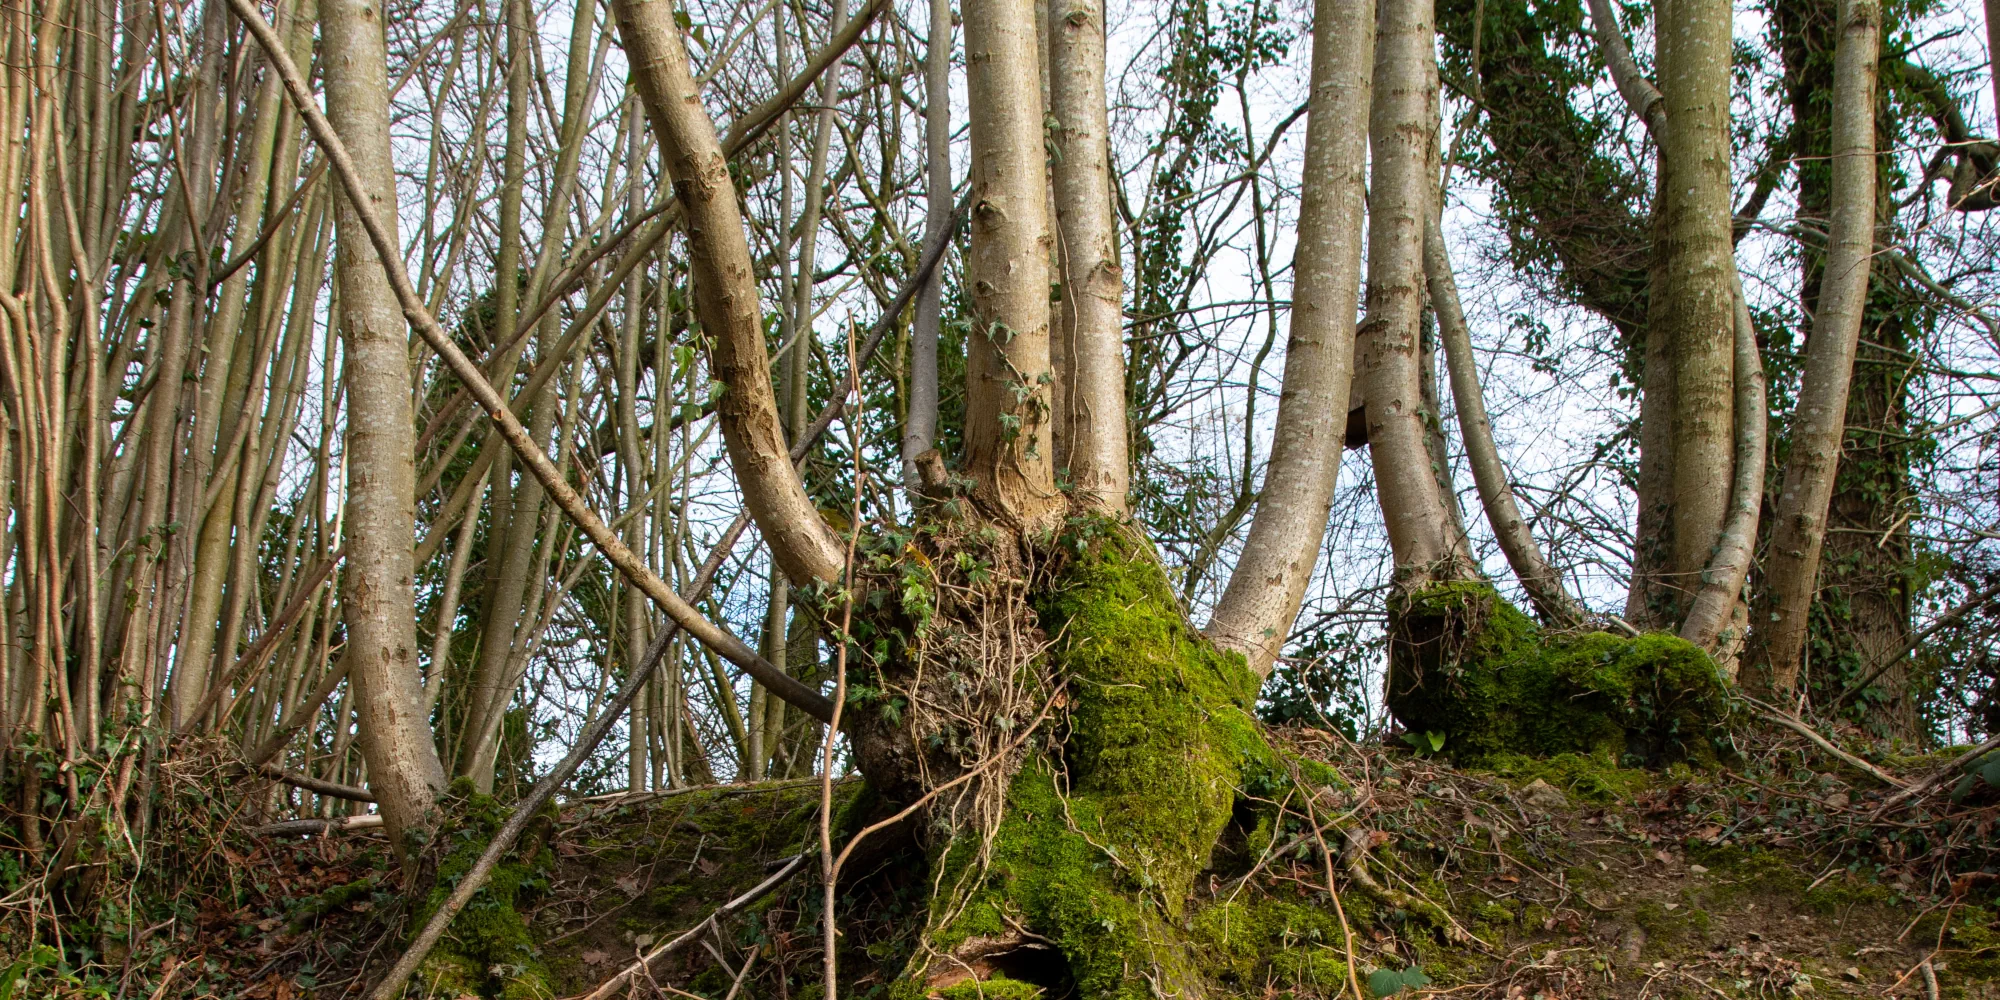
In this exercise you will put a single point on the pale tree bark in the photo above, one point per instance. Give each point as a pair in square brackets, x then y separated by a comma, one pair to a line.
[1821, 420]
[637, 630]
[380, 519]
[1693, 297]
[920, 424]
[1719, 602]
[1008, 450]
[1403, 134]
[1090, 425]
[1541, 581]
[726, 295]
[1652, 596]
[1262, 598]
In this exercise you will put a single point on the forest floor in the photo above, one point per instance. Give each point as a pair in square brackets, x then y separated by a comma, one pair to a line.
[1561, 878]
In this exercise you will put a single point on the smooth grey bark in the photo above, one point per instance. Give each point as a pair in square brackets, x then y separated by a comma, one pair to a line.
[1719, 600]
[1427, 544]
[1090, 425]
[380, 519]
[1008, 448]
[1799, 530]
[1542, 583]
[1262, 599]
[920, 422]
[637, 627]
[1693, 300]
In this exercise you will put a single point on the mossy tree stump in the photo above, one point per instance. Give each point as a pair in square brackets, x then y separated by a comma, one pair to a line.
[1467, 665]
[1089, 880]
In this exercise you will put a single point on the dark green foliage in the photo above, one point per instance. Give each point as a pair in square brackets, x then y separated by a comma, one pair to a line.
[1469, 665]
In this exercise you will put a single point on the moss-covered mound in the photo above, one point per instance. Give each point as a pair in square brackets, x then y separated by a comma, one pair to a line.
[1102, 840]
[1471, 668]
[489, 950]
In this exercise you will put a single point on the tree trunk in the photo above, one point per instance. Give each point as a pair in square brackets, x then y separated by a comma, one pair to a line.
[1090, 426]
[380, 519]
[1403, 134]
[1538, 578]
[1008, 376]
[920, 424]
[1693, 303]
[725, 293]
[1821, 421]
[1716, 619]
[1257, 608]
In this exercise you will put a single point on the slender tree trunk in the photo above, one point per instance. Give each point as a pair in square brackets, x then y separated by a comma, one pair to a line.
[1800, 526]
[1008, 397]
[1693, 301]
[380, 518]
[920, 424]
[1403, 134]
[1489, 473]
[1713, 618]
[1262, 598]
[1090, 426]
[725, 293]
[636, 623]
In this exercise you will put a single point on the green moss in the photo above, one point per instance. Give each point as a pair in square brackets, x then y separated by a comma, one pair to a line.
[1099, 850]
[1466, 663]
[1666, 928]
[306, 911]
[1589, 778]
[1244, 944]
[997, 988]
[1837, 895]
[488, 950]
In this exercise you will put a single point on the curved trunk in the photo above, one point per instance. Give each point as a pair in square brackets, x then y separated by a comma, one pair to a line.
[1403, 134]
[725, 293]
[1538, 578]
[1719, 600]
[1255, 614]
[1800, 528]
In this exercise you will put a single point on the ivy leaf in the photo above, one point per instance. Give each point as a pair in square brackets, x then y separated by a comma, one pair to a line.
[1991, 772]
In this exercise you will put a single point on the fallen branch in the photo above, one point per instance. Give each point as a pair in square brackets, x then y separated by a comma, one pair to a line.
[331, 789]
[1938, 776]
[1791, 722]
[319, 827]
